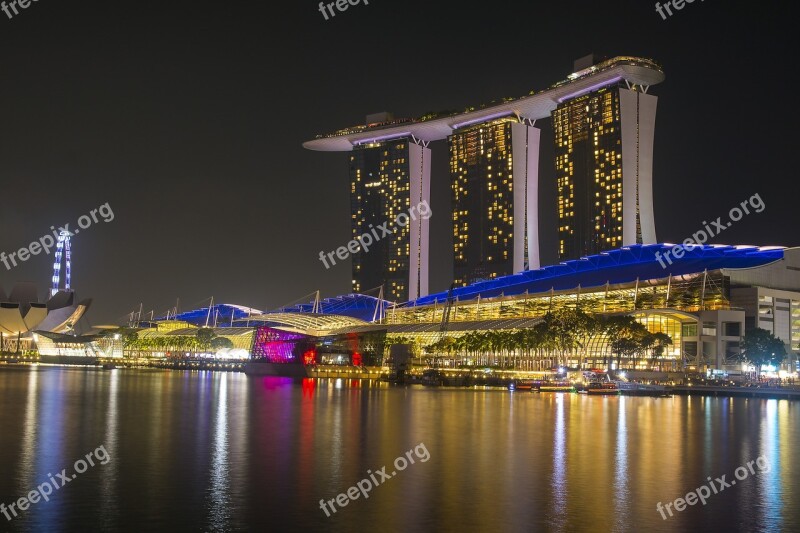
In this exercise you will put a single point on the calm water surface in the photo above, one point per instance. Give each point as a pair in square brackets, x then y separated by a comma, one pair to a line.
[201, 451]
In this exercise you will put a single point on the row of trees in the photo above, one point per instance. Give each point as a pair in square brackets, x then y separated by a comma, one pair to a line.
[561, 335]
[203, 340]
[569, 334]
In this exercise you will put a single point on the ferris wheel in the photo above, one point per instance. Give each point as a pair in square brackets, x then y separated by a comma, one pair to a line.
[62, 250]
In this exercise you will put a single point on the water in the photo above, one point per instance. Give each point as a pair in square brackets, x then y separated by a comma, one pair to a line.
[201, 451]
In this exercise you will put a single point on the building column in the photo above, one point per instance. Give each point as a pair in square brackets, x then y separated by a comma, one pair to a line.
[419, 157]
[638, 119]
[525, 142]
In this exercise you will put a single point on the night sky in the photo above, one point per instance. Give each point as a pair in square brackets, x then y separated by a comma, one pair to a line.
[187, 118]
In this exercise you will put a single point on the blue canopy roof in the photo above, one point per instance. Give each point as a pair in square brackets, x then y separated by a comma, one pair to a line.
[358, 306]
[624, 265]
[225, 314]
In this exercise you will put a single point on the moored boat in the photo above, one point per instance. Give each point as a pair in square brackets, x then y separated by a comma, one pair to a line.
[521, 385]
[557, 386]
[432, 378]
[602, 387]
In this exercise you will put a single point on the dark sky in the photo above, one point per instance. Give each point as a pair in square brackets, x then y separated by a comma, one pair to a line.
[188, 118]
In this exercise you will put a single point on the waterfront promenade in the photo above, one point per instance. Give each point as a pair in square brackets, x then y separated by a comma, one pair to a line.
[452, 378]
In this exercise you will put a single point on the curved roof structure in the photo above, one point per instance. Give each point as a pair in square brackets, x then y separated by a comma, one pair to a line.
[624, 265]
[14, 321]
[191, 332]
[344, 311]
[358, 306]
[306, 323]
[224, 313]
[63, 319]
[21, 311]
[540, 105]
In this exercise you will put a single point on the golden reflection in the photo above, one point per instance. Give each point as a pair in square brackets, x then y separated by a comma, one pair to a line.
[29, 440]
[621, 481]
[559, 457]
[220, 468]
[110, 442]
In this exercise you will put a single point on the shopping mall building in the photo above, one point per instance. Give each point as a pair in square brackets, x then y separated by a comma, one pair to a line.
[704, 300]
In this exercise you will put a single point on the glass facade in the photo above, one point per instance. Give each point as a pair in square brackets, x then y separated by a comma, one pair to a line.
[379, 192]
[277, 346]
[483, 201]
[669, 325]
[685, 293]
[595, 350]
[663, 305]
[588, 161]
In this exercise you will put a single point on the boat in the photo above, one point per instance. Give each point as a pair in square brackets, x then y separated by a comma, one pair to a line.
[521, 384]
[595, 388]
[640, 389]
[556, 386]
[109, 366]
[432, 378]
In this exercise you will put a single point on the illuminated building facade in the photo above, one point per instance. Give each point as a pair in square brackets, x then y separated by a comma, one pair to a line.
[386, 180]
[494, 177]
[277, 346]
[703, 302]
[604, 169]
[605, 123]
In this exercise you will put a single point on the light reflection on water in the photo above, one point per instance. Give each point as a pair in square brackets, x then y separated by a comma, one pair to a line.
[220, 470]
[621, 481]
[221, 452]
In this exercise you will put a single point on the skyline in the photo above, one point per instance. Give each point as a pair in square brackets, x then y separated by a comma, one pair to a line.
[196, 164]
[523, 265]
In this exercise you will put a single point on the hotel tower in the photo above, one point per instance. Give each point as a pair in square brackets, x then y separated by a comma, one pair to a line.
[604, 125]
[494, 171]
[386, 179]
[604, 169]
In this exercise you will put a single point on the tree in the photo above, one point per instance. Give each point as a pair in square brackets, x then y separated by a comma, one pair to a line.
[761, 347]
[660, 343]
[626, 336]
[221, 343]
[129, 337]
[204, 338]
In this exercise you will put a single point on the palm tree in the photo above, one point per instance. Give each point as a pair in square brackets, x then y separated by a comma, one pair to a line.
[518, 339]
[543, 341]
[563, 325]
